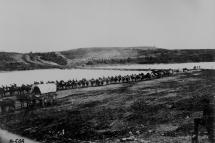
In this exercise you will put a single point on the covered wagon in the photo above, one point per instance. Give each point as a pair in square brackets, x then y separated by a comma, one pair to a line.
[44, 93]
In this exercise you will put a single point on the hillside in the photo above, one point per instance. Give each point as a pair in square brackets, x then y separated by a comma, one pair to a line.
[95, 56]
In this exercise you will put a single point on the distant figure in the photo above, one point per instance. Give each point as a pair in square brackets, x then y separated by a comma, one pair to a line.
[35, 82]
[194, 67]
[207, 120]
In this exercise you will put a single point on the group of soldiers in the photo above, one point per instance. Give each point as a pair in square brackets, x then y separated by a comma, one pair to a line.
[13, 89]
[70, 84]
[23, 91]
[23, 95]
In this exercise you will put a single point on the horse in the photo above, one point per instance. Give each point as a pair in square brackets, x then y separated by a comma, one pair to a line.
[24, 98]
[185, 69]
[7, 105]
[2, 92]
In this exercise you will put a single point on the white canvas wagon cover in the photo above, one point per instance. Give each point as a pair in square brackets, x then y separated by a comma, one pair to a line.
[44, 88]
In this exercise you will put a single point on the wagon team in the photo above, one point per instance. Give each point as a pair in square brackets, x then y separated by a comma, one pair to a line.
[13, 89]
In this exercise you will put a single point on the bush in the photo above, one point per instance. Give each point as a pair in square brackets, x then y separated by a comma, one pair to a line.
[53, 57]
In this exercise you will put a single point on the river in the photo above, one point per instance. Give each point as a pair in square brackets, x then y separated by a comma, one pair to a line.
[203, 65]
[28, 77]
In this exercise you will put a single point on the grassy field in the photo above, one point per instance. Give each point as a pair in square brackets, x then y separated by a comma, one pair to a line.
[160, 110]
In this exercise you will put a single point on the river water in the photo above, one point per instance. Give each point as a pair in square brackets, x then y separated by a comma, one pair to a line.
[28, 77]
[203, 65]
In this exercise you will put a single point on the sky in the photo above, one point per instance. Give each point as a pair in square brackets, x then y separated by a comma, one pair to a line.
[55, 25]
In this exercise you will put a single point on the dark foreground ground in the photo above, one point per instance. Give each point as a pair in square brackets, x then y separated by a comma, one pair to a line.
[158, 111]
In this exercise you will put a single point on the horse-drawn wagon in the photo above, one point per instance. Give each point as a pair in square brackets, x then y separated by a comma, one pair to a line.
[44, 93]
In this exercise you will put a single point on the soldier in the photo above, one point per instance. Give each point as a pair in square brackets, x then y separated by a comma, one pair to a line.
[207, 120]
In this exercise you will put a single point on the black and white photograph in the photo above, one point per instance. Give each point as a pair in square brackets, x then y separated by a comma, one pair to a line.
[107, 71]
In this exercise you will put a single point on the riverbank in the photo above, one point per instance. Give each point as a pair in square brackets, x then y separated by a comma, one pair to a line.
[101, 56]
[159, 110]
[89, 72]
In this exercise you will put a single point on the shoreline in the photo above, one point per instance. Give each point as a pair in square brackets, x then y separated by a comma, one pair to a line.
[114, 67]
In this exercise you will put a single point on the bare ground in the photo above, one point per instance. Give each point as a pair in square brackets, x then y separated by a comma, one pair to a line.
[160, 110]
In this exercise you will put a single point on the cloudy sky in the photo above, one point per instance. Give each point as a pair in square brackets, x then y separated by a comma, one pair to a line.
[49, 25]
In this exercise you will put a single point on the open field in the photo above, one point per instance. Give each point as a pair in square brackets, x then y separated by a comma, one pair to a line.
[159, 110]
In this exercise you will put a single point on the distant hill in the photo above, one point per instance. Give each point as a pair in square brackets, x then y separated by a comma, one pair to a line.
[100, 56]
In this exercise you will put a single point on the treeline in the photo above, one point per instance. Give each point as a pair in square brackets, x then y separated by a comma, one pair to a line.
[8, 63]
[161, 56]
[7, 66]
[109, 61]
[4, 57]
[50, 56]
[10, 66]
[92, 56]
[171, 58]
